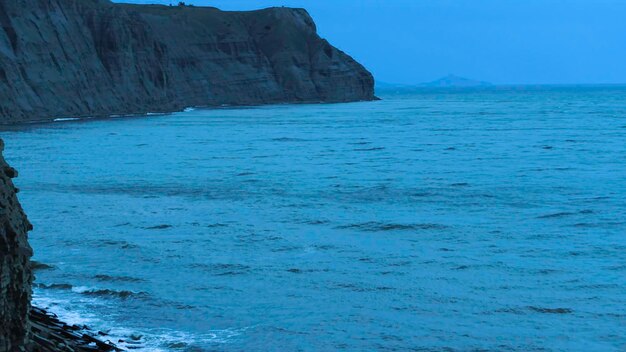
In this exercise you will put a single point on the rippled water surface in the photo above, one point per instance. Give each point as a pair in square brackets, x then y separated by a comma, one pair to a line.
[490, 220]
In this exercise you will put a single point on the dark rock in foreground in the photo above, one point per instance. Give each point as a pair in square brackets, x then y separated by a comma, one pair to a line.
[51, 335]
[61, 58]
[15, 268]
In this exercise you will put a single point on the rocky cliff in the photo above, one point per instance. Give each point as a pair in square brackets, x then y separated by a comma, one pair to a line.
[61, 58]
[15, 271]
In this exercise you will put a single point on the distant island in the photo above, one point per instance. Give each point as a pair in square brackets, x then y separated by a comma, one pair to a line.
[452, 81]
[449, 82]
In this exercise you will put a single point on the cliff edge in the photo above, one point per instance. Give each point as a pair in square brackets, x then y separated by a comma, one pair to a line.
[62, 58]
[15, 270]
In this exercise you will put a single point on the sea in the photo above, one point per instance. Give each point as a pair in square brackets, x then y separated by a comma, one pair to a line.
[432, 220]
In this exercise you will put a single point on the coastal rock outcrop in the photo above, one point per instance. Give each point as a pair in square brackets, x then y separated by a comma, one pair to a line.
[15, 271]
[62, 58]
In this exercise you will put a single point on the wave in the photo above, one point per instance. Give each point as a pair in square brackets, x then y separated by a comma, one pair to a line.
[543, 310]
[131, 337]
[287, 139]
[117, 278]
[564, 214]
[123, 294]
[222, 269]
[551, 310]
[369, 149]
[118, 244]
[361, 288]
[54, 286]
[159, 227]
[316, 222]
[598, 225]
[555, 215]
[374, 226]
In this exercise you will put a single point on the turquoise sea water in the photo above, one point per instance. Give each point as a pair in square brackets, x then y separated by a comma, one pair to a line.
[471, 220]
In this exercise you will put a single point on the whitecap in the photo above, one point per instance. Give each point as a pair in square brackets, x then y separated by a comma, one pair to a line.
[58, 307]
[153, 340]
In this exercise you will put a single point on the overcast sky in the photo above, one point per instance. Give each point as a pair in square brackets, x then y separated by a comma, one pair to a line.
[501, 41]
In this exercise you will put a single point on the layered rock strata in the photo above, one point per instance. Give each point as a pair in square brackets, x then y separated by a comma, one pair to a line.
[73, 58]
[15, 268]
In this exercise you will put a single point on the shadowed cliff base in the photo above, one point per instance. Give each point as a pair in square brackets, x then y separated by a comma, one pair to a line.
[93, 58]
[15, 267]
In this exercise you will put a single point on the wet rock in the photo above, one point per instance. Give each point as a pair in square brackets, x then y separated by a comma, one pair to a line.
[15, 268]
[49, 334]
[35, 265]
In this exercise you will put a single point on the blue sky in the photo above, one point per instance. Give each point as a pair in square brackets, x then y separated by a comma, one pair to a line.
[501, 41]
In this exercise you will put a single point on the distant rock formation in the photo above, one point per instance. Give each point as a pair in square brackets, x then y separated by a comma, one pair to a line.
[73, 58]
[15, 268]
[452, 81]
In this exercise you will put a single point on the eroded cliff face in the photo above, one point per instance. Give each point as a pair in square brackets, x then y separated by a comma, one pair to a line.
[61, 58]
[15, 270]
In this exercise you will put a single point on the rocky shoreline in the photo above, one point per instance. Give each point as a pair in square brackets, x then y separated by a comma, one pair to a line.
[49, 334]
